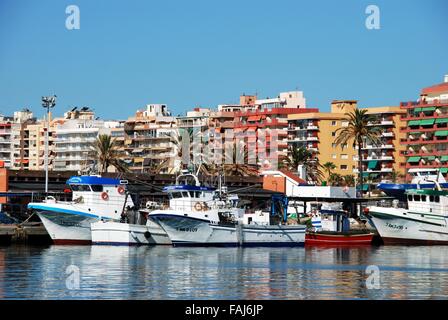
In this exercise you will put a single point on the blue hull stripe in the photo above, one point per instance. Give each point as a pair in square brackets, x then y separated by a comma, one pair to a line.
[60, 210]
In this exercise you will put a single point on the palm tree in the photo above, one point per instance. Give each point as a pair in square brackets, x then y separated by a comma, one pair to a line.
[358, 131]
[108, 154]
[303, 156]
[237, 162]
[349, 180]
[335, 179]
[329, 166]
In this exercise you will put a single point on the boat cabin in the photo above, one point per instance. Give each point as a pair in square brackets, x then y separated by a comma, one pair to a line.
[427, 201]
[190, 198]
[98, 191]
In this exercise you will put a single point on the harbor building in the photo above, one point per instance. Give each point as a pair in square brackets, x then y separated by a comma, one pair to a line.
[148, 140]
[426, 132]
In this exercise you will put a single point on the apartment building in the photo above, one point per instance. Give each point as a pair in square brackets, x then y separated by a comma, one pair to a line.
[317, 132]
[264, 124]
[383, 159]
[21, 139]
[6, 141]
[75, 135]
[148, 139]
[426, 132]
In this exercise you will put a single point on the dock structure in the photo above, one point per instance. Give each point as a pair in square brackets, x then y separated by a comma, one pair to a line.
[30, 232]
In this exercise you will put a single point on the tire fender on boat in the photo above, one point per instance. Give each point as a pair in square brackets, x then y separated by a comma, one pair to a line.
[198, 206]
[104, 196]
[120, 190]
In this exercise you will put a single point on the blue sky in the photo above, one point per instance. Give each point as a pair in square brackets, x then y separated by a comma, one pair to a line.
[202, 53]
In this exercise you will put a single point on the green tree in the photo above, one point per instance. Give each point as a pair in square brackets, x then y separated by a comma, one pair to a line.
[308, 159]
[108, 154]
[358, 131]
[329, 167]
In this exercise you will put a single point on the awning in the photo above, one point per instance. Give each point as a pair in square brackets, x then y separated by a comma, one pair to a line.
[429, 109]
[444, 158]
[417, 110]
[365, 187]
[372, 164]
[414, 123]
[442, 120]
[252, 129]
[442, 133]
[430, 158]
[413, 159]
[444, 170]
[427, 122]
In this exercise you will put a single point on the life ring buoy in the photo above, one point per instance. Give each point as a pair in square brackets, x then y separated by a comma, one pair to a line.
[104, 196]
[120, 190]
[198, 206]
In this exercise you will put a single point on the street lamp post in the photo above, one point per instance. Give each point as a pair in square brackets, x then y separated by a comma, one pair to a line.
[47, 102]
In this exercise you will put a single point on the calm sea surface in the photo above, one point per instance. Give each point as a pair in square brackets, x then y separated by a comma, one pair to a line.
[108, 272]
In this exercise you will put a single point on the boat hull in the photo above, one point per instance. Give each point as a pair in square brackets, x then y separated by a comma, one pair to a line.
[116, 233]
[67, 229]
[187, 231]
[324, 239]
[401, 227]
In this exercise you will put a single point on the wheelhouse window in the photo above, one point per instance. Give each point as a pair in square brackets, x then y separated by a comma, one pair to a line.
[436, 199]
[409, 197]
[176, 195]
[80, 187]
[97, 188]
[424, 198]
[416, 197]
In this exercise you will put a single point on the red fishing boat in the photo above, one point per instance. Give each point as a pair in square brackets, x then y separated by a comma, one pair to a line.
[328, 238]
[334, 229]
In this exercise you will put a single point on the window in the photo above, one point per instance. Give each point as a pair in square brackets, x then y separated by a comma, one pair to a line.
[416, 197]
[343, 146]
[344, 156]
[176, 195]
[409, 197]
[343, 167]
[97, 188]
[333, 123]
[80, 187]
[424, 198]
[344, 123]
[333, 134]
[431, 198]
[436, 199]
[333, 145]
[334, 156]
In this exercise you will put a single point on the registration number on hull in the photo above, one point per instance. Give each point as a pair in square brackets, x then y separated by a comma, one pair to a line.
[394, 226]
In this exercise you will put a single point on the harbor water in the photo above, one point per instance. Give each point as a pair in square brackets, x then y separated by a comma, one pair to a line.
[164, 272]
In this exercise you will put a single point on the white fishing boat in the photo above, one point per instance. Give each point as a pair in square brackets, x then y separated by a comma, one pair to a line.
[424, 222]
[133, 229]
[199, 215]
[94, 198]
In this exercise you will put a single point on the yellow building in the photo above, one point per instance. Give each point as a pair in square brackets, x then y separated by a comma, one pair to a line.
[318, 131]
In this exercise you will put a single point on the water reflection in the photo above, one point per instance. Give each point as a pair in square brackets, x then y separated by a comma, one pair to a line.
[108, 272]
